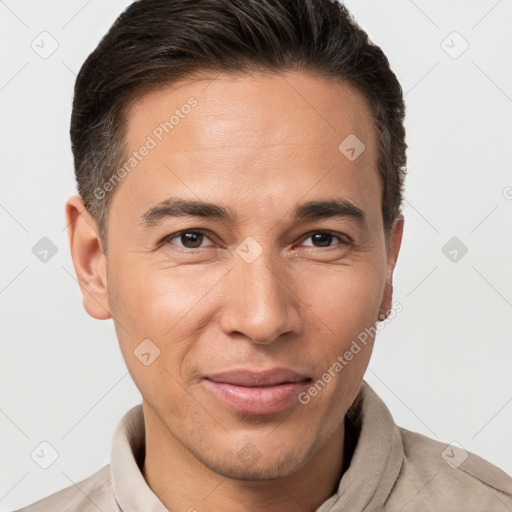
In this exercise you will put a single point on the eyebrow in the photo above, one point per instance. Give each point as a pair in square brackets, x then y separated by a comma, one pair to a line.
[312, 210]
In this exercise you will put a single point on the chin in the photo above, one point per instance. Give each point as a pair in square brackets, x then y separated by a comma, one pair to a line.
[262, 473]
[256, 467]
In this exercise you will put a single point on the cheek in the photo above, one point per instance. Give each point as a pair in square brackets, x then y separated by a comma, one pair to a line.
[344, 298]
[164, 305]
[342, 307]
[342, 313]
[149, 310]
[154, 299]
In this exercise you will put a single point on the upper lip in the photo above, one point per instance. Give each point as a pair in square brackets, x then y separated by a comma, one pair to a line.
[249, 378]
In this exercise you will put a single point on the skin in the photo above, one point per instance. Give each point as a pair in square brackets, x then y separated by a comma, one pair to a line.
[258, 145]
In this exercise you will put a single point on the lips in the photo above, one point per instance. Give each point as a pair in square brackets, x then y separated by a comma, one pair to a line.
[254, 392]
[251, 378]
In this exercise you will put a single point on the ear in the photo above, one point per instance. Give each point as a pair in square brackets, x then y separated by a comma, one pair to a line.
[395, 241]
[88, 257]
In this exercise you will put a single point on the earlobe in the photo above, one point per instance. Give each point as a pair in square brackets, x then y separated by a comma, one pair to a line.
[88, 257]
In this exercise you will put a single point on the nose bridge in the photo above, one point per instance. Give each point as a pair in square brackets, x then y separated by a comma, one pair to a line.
[258, 303]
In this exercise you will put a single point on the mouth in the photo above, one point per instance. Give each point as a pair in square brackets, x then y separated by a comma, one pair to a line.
[258, 393]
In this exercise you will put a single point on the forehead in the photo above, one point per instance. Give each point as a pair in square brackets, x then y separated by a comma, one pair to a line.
[264, 108]
[242, 137]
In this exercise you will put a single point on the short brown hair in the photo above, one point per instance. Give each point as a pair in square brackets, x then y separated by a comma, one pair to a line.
[157, 42]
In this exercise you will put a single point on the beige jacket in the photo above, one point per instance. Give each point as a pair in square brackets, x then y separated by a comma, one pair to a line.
[392, 469]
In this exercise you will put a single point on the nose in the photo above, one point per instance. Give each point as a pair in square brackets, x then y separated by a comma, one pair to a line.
[259, 301]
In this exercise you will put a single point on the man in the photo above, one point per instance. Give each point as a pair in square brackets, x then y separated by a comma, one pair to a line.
[240, 165]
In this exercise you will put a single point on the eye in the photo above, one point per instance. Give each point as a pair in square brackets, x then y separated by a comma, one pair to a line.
[189, 239]
[193, 239]
[323, 239]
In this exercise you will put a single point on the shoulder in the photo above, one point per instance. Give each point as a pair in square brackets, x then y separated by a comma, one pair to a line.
[447, 475]
[91, 494]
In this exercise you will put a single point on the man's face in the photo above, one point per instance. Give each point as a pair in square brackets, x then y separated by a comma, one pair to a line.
[262, 291]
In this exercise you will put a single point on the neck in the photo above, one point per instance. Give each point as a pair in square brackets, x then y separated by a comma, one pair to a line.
[183, 483]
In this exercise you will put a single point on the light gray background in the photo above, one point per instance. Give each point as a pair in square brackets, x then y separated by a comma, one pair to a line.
[443, 365]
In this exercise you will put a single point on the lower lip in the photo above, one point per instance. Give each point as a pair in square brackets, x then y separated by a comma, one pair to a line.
[259, 399]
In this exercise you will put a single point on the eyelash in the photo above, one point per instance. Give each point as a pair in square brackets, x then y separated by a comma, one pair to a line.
[344, 239]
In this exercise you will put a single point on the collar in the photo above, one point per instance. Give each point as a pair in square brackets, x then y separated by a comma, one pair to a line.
[131, 490]
[365, 485]
[377, 459]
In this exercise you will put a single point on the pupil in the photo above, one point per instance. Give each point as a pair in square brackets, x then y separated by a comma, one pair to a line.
[326, 237]
[191, 238]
